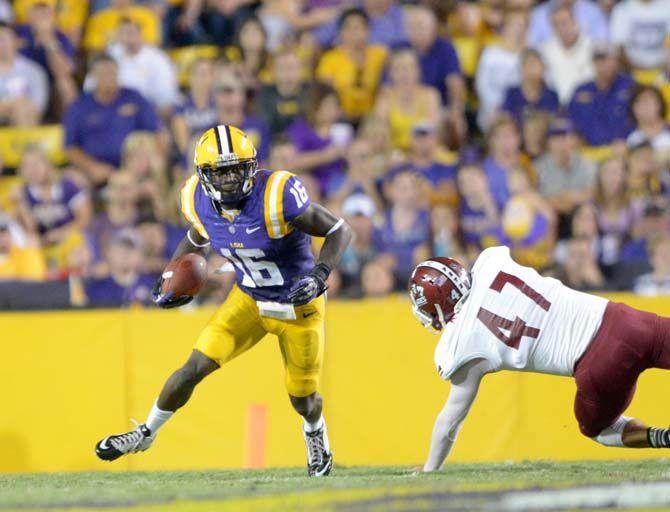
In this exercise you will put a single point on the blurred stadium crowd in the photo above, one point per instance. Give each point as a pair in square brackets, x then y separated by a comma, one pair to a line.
[434, 127]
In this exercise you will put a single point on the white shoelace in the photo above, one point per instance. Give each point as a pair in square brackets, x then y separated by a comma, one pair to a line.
[315, 448]
[128, 441]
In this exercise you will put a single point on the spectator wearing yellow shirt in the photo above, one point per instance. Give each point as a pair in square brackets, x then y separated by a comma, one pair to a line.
[102, 26]
[354, 68]
[18, 263]
[405, 101]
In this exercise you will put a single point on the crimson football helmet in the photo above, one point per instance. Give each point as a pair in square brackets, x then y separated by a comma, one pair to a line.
[438, 287]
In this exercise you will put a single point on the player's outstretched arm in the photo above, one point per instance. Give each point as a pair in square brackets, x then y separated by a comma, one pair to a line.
[464, 386]
[193, 242]
[319, 221]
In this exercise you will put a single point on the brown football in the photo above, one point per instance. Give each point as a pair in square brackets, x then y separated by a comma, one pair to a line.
[185, 275]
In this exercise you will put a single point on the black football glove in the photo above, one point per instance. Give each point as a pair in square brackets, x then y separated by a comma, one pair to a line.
[310, 286]
[167, 300]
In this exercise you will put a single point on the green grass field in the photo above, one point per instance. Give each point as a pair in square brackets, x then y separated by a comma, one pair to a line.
[520, 486]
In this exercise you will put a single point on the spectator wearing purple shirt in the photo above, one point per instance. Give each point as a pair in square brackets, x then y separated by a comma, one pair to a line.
[42, 42]
[97, 123]
[437, 57]
[360, 177]
[126, 284]
[600, 108]
[320, 142]
[231, 103]
[504, 153]
[196, 111]
[121, 213]
[387, 25]
[478, 212]
[160, 241]
[320, 4]
[403, 238]
[533, 94]
[39, 33]
[50, 205]
[428, 160]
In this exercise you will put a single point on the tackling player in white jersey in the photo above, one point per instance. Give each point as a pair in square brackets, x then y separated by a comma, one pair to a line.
[503, 316]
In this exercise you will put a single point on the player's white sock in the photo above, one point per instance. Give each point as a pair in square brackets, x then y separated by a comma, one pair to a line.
[157, 418]
[313, 427]
[319, 424]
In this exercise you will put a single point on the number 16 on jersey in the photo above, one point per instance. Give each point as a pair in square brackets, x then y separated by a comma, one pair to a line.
[256, 271]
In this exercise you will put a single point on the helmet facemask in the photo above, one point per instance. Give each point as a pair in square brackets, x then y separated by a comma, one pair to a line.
[228, 184]
[426, 319]
[434, 322]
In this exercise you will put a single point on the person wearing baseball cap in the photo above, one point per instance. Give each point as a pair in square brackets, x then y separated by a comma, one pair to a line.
[126, 283]
[359, 210]
[428, 157]
[599, 108]
[565, 177]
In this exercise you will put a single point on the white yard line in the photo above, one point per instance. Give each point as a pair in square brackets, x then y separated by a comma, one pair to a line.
[627, 495]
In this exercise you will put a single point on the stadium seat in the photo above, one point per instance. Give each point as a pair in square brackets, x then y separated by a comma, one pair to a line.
[597, 153]
[71, 14]
[646, 76]
[101, 27]
[14, 140]
[184, 57]
[9, 189]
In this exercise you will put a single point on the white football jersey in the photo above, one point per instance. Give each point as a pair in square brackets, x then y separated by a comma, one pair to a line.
[518, 320]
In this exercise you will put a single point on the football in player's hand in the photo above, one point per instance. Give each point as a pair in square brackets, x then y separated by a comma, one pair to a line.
[185, 275]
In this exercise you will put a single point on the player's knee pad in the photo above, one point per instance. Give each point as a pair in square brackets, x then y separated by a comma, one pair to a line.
[613, 435]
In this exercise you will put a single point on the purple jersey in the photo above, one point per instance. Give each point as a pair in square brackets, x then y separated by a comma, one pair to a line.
[267, 253]
[56, 208]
